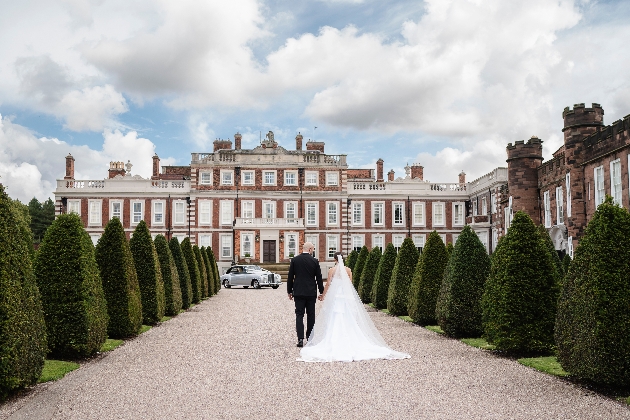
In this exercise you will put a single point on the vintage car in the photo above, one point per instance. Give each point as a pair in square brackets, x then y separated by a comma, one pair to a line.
[250, 275]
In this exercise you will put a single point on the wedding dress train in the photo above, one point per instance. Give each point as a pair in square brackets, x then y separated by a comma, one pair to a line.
[343, 330]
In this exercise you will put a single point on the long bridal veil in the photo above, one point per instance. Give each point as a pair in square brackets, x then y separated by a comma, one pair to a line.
[343, 329]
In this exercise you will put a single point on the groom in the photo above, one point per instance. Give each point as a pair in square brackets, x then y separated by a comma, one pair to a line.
[305, 277]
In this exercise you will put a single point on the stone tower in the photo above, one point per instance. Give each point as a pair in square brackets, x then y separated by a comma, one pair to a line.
[523, 162]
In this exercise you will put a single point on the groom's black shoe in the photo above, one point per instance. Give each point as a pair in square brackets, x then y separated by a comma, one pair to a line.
[300, 342]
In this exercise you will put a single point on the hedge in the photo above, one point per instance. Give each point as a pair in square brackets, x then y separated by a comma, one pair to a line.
[398, 295]
[380, 288]
[182, 272]
[593, 310]
[458, 309]
[23, 344]
[358, 266]
[170, 278]
[352, 259]
[203, 274]
[193, 270]
[427, 279]
[521, 293]
[209, 271]
[215, 269]
[149, 273]
[68, 277]
[368, 273]
[120, 281]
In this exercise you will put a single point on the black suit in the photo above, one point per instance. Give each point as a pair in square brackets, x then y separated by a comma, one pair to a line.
[305, 277]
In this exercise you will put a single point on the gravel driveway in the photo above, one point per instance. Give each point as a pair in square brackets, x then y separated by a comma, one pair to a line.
[233, 356]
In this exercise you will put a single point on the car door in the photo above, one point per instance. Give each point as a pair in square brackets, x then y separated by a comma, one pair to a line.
[238, 276]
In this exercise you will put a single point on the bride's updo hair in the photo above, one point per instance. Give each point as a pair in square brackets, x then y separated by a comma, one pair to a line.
[337, 254]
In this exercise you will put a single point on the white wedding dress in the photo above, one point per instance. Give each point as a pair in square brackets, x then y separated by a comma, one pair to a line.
[343, 329]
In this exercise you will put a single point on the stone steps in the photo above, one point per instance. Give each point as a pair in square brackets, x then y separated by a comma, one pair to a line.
[280, 268]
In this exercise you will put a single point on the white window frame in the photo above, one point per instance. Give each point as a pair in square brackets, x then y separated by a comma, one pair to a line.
[95, 212]
[568, 182]
[570, 246]
[332, 178]
[419, 213]
[247, 237]
[275, 177]
[397, 241]
[328, 213]
[155, 204]
[309, 175]
[495, 239]
[245, 212]
[454, 237]
[615, 181]
[559, 206]
[95, 237]
[314, 239]
[381, 213]
[208, 177]
[474, 206]
[226, 212]
[205, 239]
[205, 212]
[74, 206]
[484, 206]
[459, 207]
[244, 176]
[419, 240]
[134, 213]
[493, 203]
[225, 179]
[379, 241]
[358, 213]
[600, 193]
[295, 178]
[176, 205]
[225, 239]
[294, 204]
[287, 240]
[434, 212]
[547, 209]
[265, 207]
[309, 221]
[443, 237]
[483, 237]
[330, 250]
[111, 209]
[357, 242]
[402, 213]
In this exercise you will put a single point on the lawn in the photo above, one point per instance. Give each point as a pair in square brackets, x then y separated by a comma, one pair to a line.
[548, 364]
[144, 329]
[110, 344]
[480, 343]
[56, 369]
[434, 328]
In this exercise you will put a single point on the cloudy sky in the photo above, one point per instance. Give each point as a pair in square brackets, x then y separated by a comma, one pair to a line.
[446, 83]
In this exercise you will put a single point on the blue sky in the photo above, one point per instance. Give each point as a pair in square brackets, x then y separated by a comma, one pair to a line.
[446, 83]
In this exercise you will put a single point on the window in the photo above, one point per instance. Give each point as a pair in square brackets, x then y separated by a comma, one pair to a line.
[615, 181]
[226, 212]
[205, 240]
[74, 206]
[418, 241]
[570, 246]
[311, 214]
[205, 212]
[484, 206]
[559, 206]
[227, 177]
[454, 237]
[568, 195]
[313, 239]
[95, 238]
[332, 213]
[136, 212]
[547, 204]
[247, 177]
[205, 178]
[397, 241]
[290, 210]
[269, 210]
[599, 186]
[291, 240]
[493, 203]
[226, 246]
[269, 177]
[332, 178]
[418, 214]
[483, 237]
[377, 213]
[290, 178]
[474, 204]
[95, 212]
[458, 214]
[116, 209]
[508, 218]
[378, 240]
[179, 212]
[357, 242]
[357, 214]
[158, 213]
[247, 250]
[332, 244]
[495, 239]
[443, 237]
[247, 209]
[438, 214]
[399, 214]
[312, 179]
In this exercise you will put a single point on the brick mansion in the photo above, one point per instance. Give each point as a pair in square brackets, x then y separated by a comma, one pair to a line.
[261, 204]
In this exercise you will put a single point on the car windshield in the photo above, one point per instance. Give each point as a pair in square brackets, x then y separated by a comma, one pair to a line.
[253, 268]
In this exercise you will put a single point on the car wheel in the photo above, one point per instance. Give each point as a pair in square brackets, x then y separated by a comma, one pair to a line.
[226, 284]
[274, 287]
[255, 284]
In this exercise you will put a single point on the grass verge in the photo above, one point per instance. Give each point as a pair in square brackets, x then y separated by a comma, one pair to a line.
[434, 328]
[548, 364]
[480, 343]
[406, 318]
[385, 311]
[56, 369]
[165, 318]
[110, 344]
[144, 329]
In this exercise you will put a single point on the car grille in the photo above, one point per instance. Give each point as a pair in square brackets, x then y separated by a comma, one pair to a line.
[270, 278]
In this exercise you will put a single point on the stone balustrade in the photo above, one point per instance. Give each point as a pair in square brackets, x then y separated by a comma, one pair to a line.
[115, 185]
[268, 223]
[407, 187]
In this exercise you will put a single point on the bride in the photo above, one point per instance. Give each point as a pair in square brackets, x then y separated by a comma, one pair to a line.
[344, 331]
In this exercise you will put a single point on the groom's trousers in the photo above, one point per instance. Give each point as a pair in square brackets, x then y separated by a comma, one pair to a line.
[303, 303]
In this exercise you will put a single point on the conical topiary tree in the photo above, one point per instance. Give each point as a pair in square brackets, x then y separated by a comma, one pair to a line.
[209, 271]
[170, 278]
[519, 300]
[22, 328]
[380, 288]
[458, 310]
[544, 236]
[352, 259]
[193, 270]
[449, 249]
[215, 269]
[68, 278]
[566, 262]
[120, 282]
[398, 295]
[427, 279]
[593, 317]
[149, 273]
[368, 273]
[358, 266]
[182, 272]
[203, 275]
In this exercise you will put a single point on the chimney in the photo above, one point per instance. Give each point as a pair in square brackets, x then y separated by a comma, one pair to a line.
[298, 141]
[462, 177]
[315, 145]
[118, 168]
[390, 175]
[69, 167]
[417, 171]
[156, 167]
[222, 145]
[379, 170]
[237, 141]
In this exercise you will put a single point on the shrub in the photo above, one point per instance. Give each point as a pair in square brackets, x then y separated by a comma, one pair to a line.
[449, 249]
[458, 309]
[427, 279]
[170, 278]
[203, 275]
[215, 270]
[593, 317]
[519, 300]
[209, 271]
[352, 259]
[193, 270]
[120, 281]
[358, 267]
[398, 295]
[149, 273]
[566, 262]
[22, 328]
[182, 272]
[368, 273]
[74, 304]
[380, 288]
[555, 258]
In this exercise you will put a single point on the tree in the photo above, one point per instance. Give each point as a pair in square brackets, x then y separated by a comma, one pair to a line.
[458, 309]
[41, 215]
[519, 300]
[380, 288]
[147, 265]
[170, 278]
[193, 270]
[182, 272]
[352, 259]
[398, 295]
[427, 279]
[120, 281]
[22, 329]
[203, 274]
[358, 267]
[566, 262]
[593, 319]
[209, 271]
[74, 304]
[368, 273]
[215, 269]
[449, 249]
